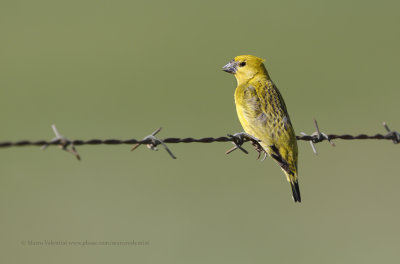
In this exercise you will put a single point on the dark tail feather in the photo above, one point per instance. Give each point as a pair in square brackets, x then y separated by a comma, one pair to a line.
[295, 191]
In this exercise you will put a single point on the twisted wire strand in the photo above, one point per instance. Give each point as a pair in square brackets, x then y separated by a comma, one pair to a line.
[78, 142]
[152, 141]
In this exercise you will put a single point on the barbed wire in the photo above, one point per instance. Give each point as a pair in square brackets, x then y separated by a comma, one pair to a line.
[152, 141]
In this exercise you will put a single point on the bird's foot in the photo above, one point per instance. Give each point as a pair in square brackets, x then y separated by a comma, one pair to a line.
[260, 150]
[239, 139]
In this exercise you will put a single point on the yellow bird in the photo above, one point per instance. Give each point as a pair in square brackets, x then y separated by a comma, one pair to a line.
[263, 114]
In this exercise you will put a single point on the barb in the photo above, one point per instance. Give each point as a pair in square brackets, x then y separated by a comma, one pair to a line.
[395, 135]
[154, 143]
[237, 139]
[62, 142]
[318, 136]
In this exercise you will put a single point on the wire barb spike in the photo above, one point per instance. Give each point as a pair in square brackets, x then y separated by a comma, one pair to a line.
[393, 134]
[154, 142]
[238, 139]
[311, 143]
[317, 137]
[63, 143]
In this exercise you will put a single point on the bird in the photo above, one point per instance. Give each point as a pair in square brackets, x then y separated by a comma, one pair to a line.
[263, 115]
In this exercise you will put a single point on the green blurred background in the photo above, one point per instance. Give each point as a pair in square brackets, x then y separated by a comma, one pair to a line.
[121, 69]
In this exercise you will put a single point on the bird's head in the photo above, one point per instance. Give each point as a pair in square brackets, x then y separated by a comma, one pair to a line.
[245, 67]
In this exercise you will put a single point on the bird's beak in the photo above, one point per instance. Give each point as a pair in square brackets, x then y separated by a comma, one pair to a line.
[231, 67]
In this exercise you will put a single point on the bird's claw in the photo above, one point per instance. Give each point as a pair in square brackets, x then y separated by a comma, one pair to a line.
[238, 139]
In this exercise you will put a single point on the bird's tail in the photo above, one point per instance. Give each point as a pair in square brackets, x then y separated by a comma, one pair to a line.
[292, 179]
[290, 170]
[295, 190]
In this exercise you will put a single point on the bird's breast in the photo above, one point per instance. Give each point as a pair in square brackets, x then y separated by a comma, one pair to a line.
[250, 111]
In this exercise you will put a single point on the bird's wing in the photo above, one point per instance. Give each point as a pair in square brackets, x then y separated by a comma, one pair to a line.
[283, 144]
[274, 106]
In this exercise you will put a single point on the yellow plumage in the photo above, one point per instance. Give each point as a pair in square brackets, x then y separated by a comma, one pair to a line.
[263, 114]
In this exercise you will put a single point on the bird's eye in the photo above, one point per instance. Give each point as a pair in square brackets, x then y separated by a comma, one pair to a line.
[243, 63]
